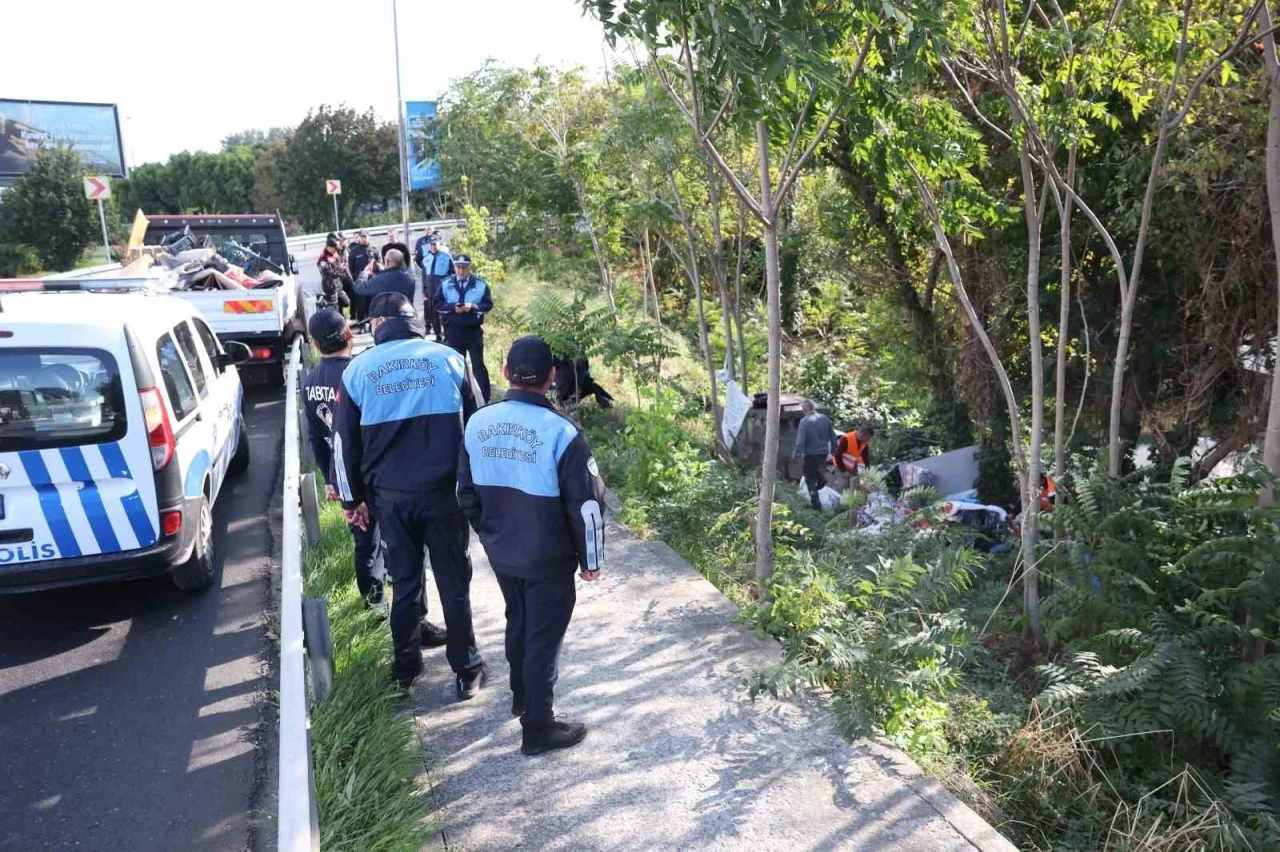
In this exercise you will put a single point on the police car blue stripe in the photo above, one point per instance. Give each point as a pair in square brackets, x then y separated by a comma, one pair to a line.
[133, 506]
[91, 500]
[50, 503]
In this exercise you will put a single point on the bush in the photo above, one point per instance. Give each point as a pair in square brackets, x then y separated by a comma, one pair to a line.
[17, 260]
[46, 209]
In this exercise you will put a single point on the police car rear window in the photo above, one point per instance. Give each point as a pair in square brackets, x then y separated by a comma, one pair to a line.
[59, 397]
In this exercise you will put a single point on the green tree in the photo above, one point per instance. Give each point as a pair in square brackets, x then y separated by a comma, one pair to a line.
[782, 66]
[343, 144]
[46, 209]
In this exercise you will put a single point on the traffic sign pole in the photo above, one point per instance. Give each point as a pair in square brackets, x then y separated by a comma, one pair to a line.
[106, 241]
[336, 225]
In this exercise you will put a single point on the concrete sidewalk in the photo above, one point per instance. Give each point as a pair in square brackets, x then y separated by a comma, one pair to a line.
[677, 757]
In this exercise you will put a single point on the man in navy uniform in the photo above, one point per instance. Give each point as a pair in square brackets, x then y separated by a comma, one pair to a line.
[332, 338]
[436, 266]
[529, 486]
[462, 302]
[396, 442]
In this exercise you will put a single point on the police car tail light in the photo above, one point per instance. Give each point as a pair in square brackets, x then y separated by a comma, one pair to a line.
[159, 432]
[171, 522]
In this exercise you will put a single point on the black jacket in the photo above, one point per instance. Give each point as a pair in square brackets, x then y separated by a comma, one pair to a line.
[400, 415]
[320, 401]
[358, 257]
[530, 488]
[388, 280]
[404, 252]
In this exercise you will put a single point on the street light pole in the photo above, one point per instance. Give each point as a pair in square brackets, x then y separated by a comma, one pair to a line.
[404, 165]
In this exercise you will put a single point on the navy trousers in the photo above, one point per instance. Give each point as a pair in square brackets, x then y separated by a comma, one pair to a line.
[411, 526]
[538, 613]
[470, 341]
[369, 568]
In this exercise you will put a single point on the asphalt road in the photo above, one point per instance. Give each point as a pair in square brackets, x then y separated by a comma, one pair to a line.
[134, 717]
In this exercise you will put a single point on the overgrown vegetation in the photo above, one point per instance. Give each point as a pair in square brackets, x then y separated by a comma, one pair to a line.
[367, 757]
[1155, 717]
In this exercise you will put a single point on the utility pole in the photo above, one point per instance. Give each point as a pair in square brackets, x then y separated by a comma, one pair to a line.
[404, 165]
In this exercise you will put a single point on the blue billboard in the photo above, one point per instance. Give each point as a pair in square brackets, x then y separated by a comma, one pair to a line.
[93, 130]
[420, 127]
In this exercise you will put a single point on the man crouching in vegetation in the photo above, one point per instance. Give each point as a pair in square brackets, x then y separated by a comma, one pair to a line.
[532, 491]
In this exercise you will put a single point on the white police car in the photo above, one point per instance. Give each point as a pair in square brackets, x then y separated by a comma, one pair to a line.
[120, 418]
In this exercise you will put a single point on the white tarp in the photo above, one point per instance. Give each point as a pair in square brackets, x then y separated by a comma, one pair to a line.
[736, 406]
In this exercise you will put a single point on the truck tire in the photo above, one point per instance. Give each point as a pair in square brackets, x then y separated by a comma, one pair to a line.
[240, 461]
[196, 574]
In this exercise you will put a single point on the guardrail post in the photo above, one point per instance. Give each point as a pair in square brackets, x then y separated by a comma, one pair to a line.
[319, 642]
[310, 508]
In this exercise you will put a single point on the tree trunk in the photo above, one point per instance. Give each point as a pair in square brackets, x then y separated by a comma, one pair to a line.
[737, 298]
[1271, 445]
[773, 287]
[719, 272]
[1031, 485]
[692, 269]
[1064, 324]
[606, 279]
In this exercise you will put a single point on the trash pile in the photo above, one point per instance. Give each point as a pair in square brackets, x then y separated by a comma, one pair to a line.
[192, 262]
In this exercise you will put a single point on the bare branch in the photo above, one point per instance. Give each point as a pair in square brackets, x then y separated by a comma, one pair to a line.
[964, 91]
[715, 120]
[799, 127]
[957, 280]
[1242, 38]
[788, 180]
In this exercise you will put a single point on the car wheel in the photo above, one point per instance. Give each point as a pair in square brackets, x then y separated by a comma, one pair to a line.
[240, 461]
[196, 574]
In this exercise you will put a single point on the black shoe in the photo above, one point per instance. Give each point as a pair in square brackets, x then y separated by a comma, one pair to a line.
[517, 704]
[468, 685]
[404, 683]
[557, 735]
[433, 636]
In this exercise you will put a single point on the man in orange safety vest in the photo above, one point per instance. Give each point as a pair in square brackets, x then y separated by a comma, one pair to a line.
[852, 453]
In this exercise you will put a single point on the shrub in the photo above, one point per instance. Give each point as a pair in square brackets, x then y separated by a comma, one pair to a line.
[17, 259]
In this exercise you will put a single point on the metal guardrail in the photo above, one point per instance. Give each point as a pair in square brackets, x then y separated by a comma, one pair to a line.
[298, 819]
[304, 240]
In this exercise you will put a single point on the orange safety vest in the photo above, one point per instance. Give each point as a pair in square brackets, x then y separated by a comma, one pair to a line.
[1047, 494]
[854, 453]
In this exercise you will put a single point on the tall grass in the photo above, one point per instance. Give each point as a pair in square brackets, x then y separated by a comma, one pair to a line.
[367, 759]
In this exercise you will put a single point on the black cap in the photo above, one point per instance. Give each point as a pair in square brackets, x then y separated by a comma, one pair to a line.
[464, 259]
[530, 361]
[391, 305]
[327, 328]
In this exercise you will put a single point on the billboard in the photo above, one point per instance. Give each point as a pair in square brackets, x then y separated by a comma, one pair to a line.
[93, 130]
[420, 127]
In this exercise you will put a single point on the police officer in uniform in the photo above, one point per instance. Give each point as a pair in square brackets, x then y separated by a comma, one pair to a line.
[531, 490]
[332, 338]
[396, 442]
[437, 265]
[462, 302]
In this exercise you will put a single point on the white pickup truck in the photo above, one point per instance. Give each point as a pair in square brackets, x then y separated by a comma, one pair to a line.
[265, 315]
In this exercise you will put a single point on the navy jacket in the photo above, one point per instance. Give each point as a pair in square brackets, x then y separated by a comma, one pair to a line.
[530, 488]
[401, 409]
[320, 401]
[453, 292]
[388, 280]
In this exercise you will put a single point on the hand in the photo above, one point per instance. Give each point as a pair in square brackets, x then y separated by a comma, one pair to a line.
[458, 309]
[359, 516]
[470, 308]
[330, 493]
[589, 576]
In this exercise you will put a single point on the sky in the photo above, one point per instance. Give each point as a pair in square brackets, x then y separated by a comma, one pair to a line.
[186, 74]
